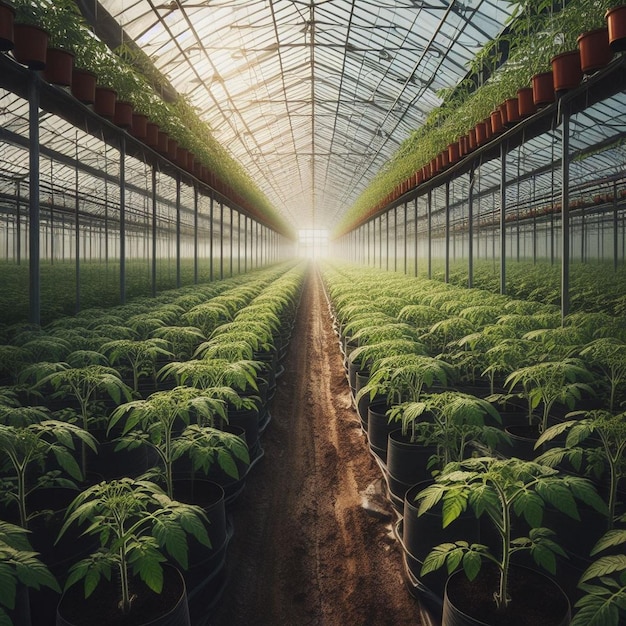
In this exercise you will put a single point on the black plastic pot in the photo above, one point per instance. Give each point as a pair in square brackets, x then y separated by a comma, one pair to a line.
[378, 428]
[205, 564]
[420, 534]
[531, 594]
[74, 610]
[406, 464]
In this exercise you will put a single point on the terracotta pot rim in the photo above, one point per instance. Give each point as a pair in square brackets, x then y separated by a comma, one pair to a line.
[82, 70]
[587, 33]
[39, 28]
[620, 7]
[569, 53]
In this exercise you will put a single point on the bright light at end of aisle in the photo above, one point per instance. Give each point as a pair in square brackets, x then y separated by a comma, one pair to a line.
[313, 243]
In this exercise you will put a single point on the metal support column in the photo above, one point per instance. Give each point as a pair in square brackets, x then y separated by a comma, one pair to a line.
[34, 287]
[447, 232]
[429, 211]
[245, 243]
[615, 227]
[230, 256]
[195, 233]
[395, 238]
[154, 230]
[77, 255]
[122, 219]
[415, 236]
[238, 242]
[503, 153]
[470, 228]
[211, 215]
[406, 214]
[221, 240]
[178, 230]
[565, 225]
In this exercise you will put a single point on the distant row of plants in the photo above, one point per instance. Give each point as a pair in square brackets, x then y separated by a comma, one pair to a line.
[594, 287]
[99, 281]
[197, 350]
[448, 360]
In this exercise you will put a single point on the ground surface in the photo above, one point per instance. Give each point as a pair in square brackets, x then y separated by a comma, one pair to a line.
[305, 551]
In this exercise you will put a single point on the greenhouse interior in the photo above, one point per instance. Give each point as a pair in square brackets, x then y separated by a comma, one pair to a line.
[313, 312]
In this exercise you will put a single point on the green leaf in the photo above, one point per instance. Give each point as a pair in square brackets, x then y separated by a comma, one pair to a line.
[471, 564]
[604, 566]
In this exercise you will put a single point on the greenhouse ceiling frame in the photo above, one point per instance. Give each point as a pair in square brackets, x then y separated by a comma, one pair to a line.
[312, 97]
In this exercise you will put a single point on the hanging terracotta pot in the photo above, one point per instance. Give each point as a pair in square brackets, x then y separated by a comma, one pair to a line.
[472, 143]
[163, 142]
[123, 116]
[543, 88]
[7, 18]
[566, 71]
[152, 135]
[104, 104]
[463, 145]
[181, 157]
[594, 50]
[616, 23]
[197, 169]
[488, 129]
[434, 167]
[445, 160]
[30, 46]
[172, 149]
[496, 122]
[59, 66]
[453, 152]
[84, 86]
[512, 111]
[190, 161]
[481, 134]
[525, 104]
[139, 126]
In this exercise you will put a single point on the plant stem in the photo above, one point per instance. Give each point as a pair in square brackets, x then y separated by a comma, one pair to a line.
[21, 495]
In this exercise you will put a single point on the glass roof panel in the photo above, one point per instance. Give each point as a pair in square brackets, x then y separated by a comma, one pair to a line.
[311, 96]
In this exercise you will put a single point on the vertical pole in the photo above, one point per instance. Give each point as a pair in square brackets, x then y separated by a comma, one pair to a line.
[565, 226]
[503, 152]
[221, 240]
[18, 224]
[470, 228]
[406, 215]
[429, 211]
[77, 234]
[211, 211]
[195, 233]
[245, 243]
[122, 219]
[178, 227]
[615, 229]
[447, 232]
[380, 241]
[238, 242]
[415, 246]
[230, 255]
[34, 212]
[154, 229]
[395, 238]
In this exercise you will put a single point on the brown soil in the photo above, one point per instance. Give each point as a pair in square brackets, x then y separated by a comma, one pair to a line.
[305, 551]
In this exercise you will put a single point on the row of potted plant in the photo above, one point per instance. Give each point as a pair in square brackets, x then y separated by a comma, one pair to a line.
[52, 37]
[543, 62]
[445, 425]
[137, 522]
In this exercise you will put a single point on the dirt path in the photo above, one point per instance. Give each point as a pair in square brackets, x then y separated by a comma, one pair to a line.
[305, 552]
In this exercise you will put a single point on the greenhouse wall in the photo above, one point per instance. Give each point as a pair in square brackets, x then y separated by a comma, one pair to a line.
[496, 221]
[114, 221]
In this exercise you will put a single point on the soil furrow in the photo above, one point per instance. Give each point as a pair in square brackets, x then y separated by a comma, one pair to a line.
[304, 551]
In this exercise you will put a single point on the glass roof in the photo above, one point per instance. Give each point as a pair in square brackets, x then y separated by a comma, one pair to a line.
[312, 97]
